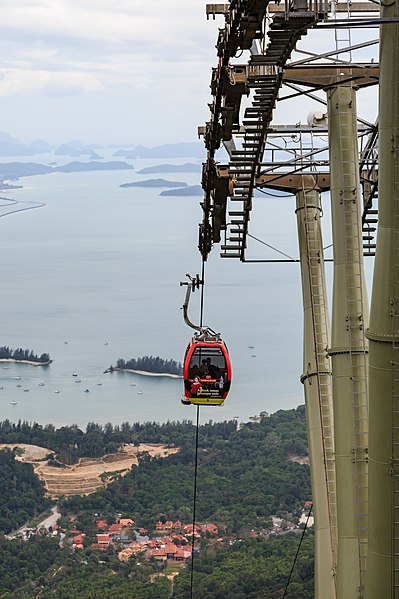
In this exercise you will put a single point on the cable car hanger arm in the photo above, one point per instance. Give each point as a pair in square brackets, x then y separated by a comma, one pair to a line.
[193, 284]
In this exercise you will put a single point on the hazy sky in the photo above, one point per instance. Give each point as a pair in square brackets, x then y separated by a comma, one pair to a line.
[108, 71]
[123, 71]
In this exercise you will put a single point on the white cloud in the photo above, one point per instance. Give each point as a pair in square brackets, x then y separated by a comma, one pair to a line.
[57, 84]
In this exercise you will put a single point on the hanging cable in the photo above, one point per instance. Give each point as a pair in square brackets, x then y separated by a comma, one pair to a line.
[297, 552]
[272, 247]
[196, 446]
[194, 504]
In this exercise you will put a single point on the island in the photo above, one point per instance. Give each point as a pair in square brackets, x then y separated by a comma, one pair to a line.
[150, 366]
[187, 167]
[155, 183]
[26, 356]
[190, 190]
[14, 170]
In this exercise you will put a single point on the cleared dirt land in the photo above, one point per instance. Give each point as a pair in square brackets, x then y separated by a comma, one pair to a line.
[90, 473]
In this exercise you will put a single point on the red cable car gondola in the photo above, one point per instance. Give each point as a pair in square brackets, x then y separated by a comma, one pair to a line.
[207, 370]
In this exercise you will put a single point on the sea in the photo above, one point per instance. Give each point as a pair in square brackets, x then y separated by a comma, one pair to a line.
[91, 273]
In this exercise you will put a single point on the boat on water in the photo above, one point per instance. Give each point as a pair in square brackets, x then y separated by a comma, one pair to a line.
[14, 403]
[99, 384]
[132, 384]
[26, 390]
[139, 393]
[6, 368]
[87, 390]
[57, 391]
[19, 385]
[41, 384]
[105, 342]
[74, 374]
[78, 381]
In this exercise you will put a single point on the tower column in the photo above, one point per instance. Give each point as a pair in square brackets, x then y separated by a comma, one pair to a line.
[316, 379]
[348, 345]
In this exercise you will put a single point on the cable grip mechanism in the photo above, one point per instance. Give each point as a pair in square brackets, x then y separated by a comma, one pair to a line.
[193, 283]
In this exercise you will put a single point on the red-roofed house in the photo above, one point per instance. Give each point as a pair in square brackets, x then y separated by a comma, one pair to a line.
[158, 554]
[126, 522]
[212, 528]
[170, 549]
[143, 531]
[79, 539]
[115, 529]
[101, 524]
[182, 554]
[125, 554]
[103, 540]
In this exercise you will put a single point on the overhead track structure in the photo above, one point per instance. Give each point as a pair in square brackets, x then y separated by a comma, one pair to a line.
[229, 188]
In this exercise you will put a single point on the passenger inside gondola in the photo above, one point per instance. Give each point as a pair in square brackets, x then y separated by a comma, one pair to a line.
[208, 368]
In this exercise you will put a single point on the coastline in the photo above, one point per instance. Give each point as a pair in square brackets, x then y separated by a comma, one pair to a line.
[145, 373]
[25, 362]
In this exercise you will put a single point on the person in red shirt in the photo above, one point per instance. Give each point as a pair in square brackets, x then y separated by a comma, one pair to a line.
[196, 386]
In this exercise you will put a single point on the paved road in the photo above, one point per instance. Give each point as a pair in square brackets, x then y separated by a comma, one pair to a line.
[51, 520]
[46, 523]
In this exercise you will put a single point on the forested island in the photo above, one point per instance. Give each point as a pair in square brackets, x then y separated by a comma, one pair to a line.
[149, 364]
[154, 183]
[190, 190]
[23, 355]
[247, 475]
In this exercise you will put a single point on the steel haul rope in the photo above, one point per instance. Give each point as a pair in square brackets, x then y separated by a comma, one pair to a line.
[196, 446]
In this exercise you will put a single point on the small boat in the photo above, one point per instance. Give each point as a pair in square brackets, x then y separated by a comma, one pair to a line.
[74, 374]
[26, 390]
[57, 391]
[6, 368]
[19, 385]
[78, 381]
[1, 387]
[41, 384]
[105, 342]
[66, 342]
[17, 378]
[139, 392]
[132, 384]
[14, 403]
[99, 384]
[87, 390]
[253, 356]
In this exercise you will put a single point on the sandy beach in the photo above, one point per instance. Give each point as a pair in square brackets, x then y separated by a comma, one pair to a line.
[25, 362]
[144, 373]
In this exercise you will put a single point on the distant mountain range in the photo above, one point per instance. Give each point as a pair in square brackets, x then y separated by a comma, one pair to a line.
[11, 146]
[194, 149]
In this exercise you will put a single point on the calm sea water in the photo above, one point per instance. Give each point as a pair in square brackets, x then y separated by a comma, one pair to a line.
[94, 276]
